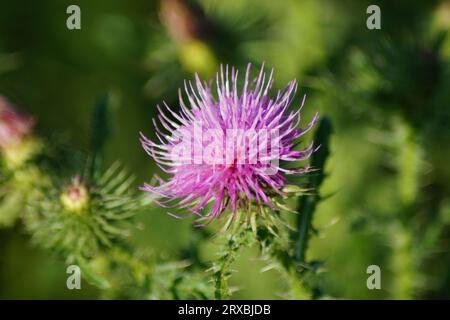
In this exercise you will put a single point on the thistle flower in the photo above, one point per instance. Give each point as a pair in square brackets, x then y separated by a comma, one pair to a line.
[17, 145]
[224, 152]
[13, 126]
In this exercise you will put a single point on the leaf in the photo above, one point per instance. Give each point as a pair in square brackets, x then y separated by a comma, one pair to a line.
[101, 127]
[91, 275]
[307, 203]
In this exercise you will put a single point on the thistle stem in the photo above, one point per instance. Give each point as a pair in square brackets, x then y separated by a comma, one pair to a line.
[404, 260]
[221, 267]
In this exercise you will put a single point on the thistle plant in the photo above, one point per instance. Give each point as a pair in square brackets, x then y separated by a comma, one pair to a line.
[18, 173]
[84, 214]
[227, 154]
[235, 155]
[231, 155]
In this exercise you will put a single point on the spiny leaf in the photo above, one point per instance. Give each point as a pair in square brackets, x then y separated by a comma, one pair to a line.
[307, 203]
[91, 276]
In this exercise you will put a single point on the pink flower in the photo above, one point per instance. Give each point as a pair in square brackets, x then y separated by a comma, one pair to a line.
[227, 151]
[13, 126]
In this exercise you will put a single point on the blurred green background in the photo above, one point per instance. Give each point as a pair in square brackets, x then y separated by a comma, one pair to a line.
[387, 93]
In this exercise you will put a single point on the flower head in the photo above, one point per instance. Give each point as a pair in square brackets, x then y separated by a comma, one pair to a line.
[13, 126]
[17, 145]
[227, 151]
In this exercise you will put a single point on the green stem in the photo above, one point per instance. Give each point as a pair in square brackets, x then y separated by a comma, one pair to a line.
[221, 267]
[404, 260]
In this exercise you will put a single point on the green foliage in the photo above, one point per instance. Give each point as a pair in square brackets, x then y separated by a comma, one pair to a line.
[20, 179]
[17, 190]
[385, 92]
[141, 275]
[81, 216]
[308, 202]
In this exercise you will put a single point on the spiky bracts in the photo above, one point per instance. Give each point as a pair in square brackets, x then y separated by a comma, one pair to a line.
[80, 216]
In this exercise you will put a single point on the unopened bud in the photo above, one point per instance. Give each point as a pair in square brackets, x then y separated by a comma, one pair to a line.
[76, 197]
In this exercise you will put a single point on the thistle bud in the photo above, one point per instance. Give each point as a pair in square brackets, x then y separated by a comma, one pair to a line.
[88, 213]
[76, 197]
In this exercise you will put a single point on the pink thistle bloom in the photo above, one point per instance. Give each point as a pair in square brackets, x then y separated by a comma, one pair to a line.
[13, 126]
[224, 150]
